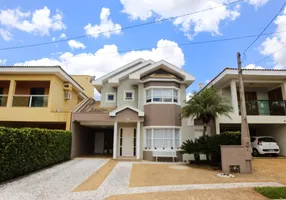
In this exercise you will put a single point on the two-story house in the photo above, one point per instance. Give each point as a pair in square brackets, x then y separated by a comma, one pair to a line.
[265, 94]
[40, 96]
[139, 112]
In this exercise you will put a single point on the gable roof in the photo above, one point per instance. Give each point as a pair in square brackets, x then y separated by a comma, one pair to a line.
[137, 69]
[114, 112]
[100, 80]
[57, 70]
[162, 64]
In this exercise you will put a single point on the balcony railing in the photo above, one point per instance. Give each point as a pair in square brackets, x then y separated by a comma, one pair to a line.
[3, 100]
[265, 107]
[30, 100]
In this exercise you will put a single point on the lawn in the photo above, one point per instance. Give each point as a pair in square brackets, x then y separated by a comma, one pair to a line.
[272, 192]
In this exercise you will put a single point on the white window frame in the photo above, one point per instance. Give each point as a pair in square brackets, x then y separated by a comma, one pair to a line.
[162, 102]
[114, 97]
[152, 137]
[128, 91]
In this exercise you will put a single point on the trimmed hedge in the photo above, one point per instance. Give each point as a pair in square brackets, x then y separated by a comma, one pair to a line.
[25, 150]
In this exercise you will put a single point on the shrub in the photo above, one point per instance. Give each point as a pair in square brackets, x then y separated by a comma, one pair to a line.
[28, 149]
[210, 145]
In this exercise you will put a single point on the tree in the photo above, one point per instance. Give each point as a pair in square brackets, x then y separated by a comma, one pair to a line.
[205, 106]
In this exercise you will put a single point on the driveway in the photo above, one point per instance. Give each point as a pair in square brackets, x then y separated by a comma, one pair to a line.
[56, 182]
[79, 179]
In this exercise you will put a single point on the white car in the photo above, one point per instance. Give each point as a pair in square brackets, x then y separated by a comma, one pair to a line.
[262, 145]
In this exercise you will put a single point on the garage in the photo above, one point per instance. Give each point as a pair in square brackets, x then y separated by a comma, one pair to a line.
[277, 131]
[89, 140]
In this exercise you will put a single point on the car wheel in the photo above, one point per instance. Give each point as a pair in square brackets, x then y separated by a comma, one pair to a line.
[255, 153]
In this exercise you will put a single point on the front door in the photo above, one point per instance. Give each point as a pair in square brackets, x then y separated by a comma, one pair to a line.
[127, 142]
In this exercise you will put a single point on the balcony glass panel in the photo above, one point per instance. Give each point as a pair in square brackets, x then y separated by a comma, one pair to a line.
[3, 100]
[30, 100]
[265, 107]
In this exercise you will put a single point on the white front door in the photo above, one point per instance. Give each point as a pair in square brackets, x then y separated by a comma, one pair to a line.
[128, 142]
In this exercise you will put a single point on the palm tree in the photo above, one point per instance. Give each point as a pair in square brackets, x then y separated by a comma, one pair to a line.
[206, 105]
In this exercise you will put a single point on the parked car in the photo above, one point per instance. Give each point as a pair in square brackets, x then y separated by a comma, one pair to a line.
[263, 145]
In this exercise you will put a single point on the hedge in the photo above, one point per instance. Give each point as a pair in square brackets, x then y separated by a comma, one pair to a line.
[25, 150]
[210, 146]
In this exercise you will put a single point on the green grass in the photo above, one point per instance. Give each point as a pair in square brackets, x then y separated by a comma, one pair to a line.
[272, 192]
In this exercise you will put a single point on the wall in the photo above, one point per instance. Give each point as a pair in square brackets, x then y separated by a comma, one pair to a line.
[226, 95]
[84, 81]
[107, 88]
[82, 140]
[162, 115]
[58, 103]
[126, 84]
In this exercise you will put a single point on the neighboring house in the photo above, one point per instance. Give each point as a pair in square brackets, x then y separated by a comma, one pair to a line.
[139, 112]
[38, 96]
[265, 95]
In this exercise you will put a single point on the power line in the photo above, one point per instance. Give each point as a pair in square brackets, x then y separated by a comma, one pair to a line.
[123, 28]
[184, 44]
[265, 27]
[269, 56]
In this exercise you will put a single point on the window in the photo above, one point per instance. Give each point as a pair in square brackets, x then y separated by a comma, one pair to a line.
[128, 95]
[110, 97]
[162, 95]
[162, 138]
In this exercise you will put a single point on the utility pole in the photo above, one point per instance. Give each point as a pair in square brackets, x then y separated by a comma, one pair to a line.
[245, 136]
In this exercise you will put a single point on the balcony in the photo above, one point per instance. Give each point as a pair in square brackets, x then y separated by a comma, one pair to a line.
[30, 100]
[265, 107]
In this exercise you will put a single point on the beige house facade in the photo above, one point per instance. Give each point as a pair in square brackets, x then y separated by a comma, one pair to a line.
[139, 112]
[265, 94]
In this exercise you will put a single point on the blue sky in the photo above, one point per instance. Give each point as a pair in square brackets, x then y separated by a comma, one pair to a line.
[44, 21]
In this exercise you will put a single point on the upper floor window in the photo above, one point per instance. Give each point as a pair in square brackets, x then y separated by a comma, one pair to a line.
[110, 97]
[157, 95]
[128, 95]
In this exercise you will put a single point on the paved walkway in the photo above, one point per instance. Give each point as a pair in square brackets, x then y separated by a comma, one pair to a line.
[59, 181]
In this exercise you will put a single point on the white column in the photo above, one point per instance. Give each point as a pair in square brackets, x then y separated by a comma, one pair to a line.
[283, 90]
[115, 140]
[138, 136]
[234, 101]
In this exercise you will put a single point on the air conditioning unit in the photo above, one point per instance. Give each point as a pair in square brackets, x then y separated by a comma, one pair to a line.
[67, 86]
[68, 95]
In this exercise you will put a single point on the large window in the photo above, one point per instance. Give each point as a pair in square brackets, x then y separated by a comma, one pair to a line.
[162, 138]
[157, 95]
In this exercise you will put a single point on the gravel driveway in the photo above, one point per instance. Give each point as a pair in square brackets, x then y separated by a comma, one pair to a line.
[52, 183]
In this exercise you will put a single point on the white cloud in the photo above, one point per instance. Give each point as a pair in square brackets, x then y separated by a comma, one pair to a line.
[105, 27]
[63, 35]
[276, 45]
[38, 22]
[3, 61]
[53, 39]
[191, 25]
[253, 66]
[6, 35]
[76, 44]
[108, 59]
[257, 3]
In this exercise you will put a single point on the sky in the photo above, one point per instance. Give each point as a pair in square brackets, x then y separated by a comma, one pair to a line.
[107, 43]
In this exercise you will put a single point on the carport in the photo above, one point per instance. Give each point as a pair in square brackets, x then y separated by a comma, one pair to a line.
[277, 131]
[92, 140]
